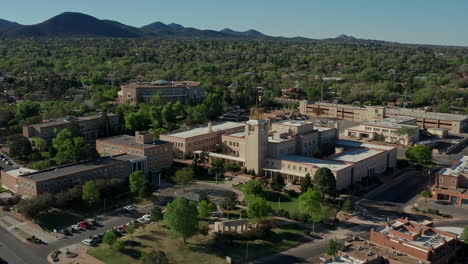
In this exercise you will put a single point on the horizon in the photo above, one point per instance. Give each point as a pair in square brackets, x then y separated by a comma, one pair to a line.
[424, 22]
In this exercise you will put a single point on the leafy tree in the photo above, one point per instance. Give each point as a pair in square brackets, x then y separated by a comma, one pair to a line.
[253, 187]
[204, 228]
[136, 180]
[464, 235]
[181, 218]
[119, 246]
[109, 238]
[156, 214]
[91, 193]
[39, 143]
[27, 109]
[217, 162]
[419, 154]
[154, 257]
[183, 177]
[21, 149]
[306, 183]
[130, 229]
[347, 206]
[205, 208]
[229, 202]
[69, 148]
[333, 246]
[258, 208]
[325, 182]
[137, 121]
[310, 204]
[40, 165]
[147, 189]
[31, 208]
[232, 166]
[277, 182]
[425, 194]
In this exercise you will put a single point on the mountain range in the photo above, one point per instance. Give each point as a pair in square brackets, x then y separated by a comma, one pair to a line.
[71, 24]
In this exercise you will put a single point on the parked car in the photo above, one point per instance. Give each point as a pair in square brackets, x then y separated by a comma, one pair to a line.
[142, 220]
[96, 238]
[9, 162]
[76, 228]
[91, 221]
[4, 159]
[129, 208]
[83, 224]
[88, 242]
[147, 216]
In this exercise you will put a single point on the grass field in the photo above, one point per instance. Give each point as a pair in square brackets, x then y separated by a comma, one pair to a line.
[198, 249]
[281, 200]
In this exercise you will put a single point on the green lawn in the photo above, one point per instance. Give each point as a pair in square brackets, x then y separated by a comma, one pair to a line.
[280, 200]
[199, 249]
[209, 179]
[57, 220]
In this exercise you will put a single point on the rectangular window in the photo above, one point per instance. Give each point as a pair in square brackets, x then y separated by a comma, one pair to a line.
[441, 180]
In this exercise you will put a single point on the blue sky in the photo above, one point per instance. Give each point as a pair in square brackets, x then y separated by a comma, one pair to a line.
[409, 21]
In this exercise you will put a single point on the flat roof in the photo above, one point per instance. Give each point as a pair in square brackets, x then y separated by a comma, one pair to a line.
[424, 114]
[61, 121]
[296, 123]
[130, 141]
[20, 171]
[350, 143]
[237, 134]
[356, 155]
[392, 122]
[323, 128]
[77, 167]
[162, 84]
[201, 130]
[461, 165]
[320, 163]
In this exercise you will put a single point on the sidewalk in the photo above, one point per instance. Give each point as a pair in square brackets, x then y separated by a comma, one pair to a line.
[82, 257]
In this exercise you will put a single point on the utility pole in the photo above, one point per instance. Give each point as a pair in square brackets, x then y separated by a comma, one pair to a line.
[429, 178]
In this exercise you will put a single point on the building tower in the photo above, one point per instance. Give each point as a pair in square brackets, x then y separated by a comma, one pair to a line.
[256, 135]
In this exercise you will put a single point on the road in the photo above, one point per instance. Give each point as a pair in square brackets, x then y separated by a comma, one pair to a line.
[15, 251]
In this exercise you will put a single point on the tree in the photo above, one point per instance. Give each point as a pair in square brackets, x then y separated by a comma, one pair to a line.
[253, 187]
[425, 194]
[181, 218]
[27, 109]
[464, 235]
[333, 246]
[420, 154]
[325, 182]
[217, 162]
[347, 206]
[69, 148]
[277, 182]
[154, 257]
[306, 183]
[232, 166]
[183, 177]
[204, 229]
[156, 214]
[147, 189]
[109, 238]
[136, 180]
[137, 121]
[310, 204]
[229, 202]
[31, 208]
[258, 208]
[205, 208]
[21, 149]
[91, 193]
[130, 229]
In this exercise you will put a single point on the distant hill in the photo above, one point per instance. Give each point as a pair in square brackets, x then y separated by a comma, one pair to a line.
[248, 33]
[70, 24]
[5, 24]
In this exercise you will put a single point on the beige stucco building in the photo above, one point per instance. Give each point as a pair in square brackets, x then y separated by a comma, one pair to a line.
[287, 148]
[398, 130]
[424, 119]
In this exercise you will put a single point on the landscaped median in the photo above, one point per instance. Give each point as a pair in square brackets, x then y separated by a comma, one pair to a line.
[199, 249]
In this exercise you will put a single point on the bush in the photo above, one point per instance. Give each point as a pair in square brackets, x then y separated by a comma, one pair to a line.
[119, 246]
[414, 208]
[34, 240]
[283, 213]
[55, 255]
[232, 166]
[291, 193]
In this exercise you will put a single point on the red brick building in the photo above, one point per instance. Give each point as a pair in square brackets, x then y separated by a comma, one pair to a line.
[452, 183]
[29, 183]
[418, 239]
[159, 153]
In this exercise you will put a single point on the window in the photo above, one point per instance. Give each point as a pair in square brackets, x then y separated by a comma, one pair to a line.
[441, 180]
[453, 181]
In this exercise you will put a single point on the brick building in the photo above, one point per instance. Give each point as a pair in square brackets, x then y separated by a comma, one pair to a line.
[451, 184]
[418, 239]
[90, 126]
[182, 91]
[28, 183]
[159, 153]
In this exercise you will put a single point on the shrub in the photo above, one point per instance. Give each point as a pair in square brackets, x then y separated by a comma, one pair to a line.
[55, 255]
[283, 213]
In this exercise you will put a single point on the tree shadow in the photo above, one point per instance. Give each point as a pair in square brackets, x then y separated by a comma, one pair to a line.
[133, 243]
[131, 252]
